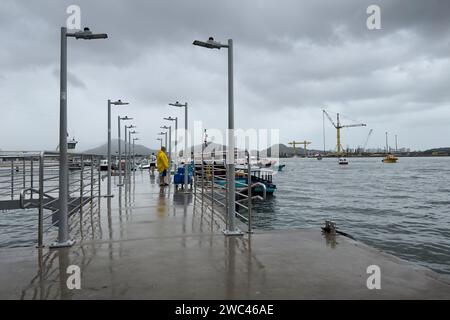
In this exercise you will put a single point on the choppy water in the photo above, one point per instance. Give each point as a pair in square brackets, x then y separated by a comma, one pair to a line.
[401, 208]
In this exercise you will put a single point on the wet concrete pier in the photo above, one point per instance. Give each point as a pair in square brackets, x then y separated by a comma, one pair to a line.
[160, 244]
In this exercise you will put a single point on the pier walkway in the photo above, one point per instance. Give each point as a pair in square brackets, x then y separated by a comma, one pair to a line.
[159, 244]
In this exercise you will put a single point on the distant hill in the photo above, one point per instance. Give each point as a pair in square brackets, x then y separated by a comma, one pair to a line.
[437, 151]
[103, 149]
[285, 151]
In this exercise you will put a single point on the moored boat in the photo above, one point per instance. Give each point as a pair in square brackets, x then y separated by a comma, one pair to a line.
[390, 158]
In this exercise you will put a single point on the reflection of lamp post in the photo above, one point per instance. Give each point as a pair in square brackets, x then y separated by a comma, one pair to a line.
[129, 151]
[185, 152]
[116, 103]
[211, 44]
[176, 138]
[134, 154]
[126, 153]
[120, 153]
[63, 224]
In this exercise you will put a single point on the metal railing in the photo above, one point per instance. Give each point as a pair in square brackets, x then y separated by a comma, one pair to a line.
[31, 180]
[210, 185]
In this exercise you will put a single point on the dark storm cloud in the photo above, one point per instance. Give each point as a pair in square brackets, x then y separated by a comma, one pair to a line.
[291, 57]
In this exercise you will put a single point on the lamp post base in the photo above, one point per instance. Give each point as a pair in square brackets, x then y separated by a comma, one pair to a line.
[57, 245]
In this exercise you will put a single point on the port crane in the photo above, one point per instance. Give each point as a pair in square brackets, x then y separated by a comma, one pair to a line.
[367, 140]
[338, 127]
[304, 143]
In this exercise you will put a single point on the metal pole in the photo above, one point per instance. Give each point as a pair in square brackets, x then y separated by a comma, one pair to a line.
[387, 144]
[109, 149]
[41, 201]
[125, 155]
[81, 187]
[23, 173]
[176, 142]
[203, 178]
[230, 165]
[133, 153]
[170, 151]
[32, 176]
[186, 157]
[212, 187]
[249, 192]
[12, 179]
[129, 155]
[120, 154]
[92, 180]
[99, 177]
[63, 223]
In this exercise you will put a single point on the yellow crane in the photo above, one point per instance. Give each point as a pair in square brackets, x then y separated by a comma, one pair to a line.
[304, 143]
[338, 127]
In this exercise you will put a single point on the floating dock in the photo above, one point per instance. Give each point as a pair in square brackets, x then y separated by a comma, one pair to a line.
[159, 244]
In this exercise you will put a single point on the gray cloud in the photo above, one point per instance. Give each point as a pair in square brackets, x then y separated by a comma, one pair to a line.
[292, 58]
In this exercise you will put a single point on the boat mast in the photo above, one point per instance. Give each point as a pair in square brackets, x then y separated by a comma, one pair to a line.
[387, 144]
[323, 126]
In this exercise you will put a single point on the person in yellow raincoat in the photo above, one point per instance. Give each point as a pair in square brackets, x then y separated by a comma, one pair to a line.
[162, 163]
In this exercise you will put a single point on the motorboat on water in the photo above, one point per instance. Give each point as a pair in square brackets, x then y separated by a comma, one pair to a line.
[390, 158]
[343, 161]
[318, 156]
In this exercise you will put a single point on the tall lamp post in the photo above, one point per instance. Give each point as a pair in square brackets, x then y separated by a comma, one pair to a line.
[63, 224]
[176, 131]
[185, 152]
[120, 152]
[165, 138]
[211, 44]
[116, 103]
[170, 145]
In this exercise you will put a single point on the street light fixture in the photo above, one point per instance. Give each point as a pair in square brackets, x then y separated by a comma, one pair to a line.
[126, 118]
[176, 138]
[185, 152]
[63, 228]
[212, 44]
[115, 103]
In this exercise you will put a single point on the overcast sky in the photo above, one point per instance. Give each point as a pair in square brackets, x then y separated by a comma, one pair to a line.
[292, 59]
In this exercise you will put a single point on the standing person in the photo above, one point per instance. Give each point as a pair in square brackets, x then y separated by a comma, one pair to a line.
[152, 163]
[162, 163]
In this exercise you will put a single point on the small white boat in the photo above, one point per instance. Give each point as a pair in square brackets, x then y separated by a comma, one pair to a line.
[103, 165]
[343, 161]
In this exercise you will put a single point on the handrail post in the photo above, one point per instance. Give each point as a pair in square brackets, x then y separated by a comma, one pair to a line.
[81, 184]
[203, 180]
[249, 192]
[31, 176]
[41, 201]
[23, 173]
[212, 188]
[92, 178]
[99, 184]
[12, 179]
